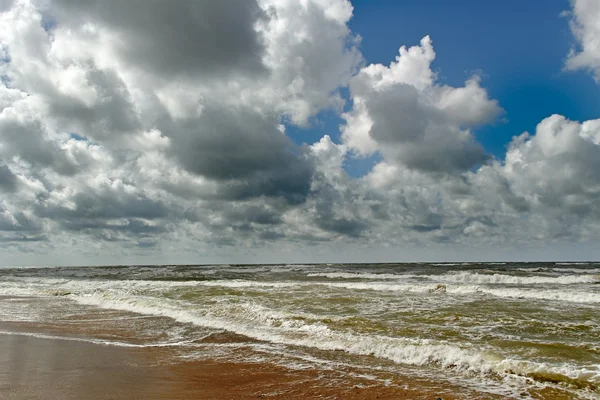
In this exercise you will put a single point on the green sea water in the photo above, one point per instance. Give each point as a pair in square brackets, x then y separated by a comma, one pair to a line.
[507, 329]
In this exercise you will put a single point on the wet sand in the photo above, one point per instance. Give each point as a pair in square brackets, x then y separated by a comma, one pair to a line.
[41, 368]
[33, 368]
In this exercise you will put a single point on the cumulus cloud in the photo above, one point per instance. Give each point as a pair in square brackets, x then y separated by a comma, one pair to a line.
[558, 167]
[403, 113]
[119, 120]
[209, 38]
[586, 29]
[139, 127]
[8, 180]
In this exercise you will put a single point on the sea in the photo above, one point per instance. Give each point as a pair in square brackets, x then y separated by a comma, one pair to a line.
[503, 330]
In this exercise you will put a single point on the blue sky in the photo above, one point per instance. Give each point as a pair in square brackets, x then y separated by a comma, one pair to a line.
[518, 47]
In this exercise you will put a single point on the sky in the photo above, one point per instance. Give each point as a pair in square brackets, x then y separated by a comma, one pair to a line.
[281, 131]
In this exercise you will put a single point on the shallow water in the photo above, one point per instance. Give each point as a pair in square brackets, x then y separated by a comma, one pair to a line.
[515, 330]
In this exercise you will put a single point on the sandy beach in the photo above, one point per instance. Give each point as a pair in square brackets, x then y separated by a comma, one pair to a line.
[53, 368]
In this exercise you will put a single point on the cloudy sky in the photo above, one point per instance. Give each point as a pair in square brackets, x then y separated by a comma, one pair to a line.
[153, 131]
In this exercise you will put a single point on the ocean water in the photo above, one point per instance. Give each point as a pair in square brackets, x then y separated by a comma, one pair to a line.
[510, 330]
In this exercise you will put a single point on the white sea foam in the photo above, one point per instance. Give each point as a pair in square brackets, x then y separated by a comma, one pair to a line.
[92, 340]
[568, 296]
[515, 293]
[50, 286]
[260, 323]
[248, 284]
[359, 275]
[476, 278]
[573, 263]
[264, 317]
[468, 277]
[448, 264]
[577, 270]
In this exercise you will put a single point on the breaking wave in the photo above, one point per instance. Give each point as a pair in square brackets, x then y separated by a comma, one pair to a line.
[263, 324]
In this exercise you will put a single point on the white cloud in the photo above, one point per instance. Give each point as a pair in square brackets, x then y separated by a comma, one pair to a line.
[118, 134]
[310, 52]
[118, 122]
[404, 114]
[585, 25]
[557, 169]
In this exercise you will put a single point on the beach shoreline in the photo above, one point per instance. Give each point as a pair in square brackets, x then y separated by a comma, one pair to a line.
[424, 332]
[35, 365]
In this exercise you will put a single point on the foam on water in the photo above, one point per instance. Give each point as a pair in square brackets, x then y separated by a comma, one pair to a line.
[459, 320]
[590, 276]
[50, 287]
[263, 324]
[94, 341]
[359, 275]
[448, 264]
[478, 278]
[594, 271]
[515, 293]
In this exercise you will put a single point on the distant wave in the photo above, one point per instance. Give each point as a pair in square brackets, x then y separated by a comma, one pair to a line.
[457, 286]
[477, 278]
[515, 293]
[467, 277]
[358, 275]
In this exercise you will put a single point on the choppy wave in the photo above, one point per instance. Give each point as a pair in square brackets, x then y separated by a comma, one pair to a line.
[515, 293]
[415, 316]
[478, 278]
[578, 270]
[469, 277]
[272, 326]
[358, 275]
[50, 287]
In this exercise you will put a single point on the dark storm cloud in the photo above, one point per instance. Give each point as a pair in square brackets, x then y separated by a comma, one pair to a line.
[181, 37]
[518, 203]
[341, 225]
[467, 222]
[26, 139]
[128, 124]
[133, 226]
[225, 143]
[19, 222]
[108, 215]
[336, 213]
[398, 115]
[5, 5]
[291, 182]
[578, 196]
[221, 216]
[22, 239]
[425, 228]
[455, 157]
[244, 151]
[19, 227]
[243, 223]
[268, 236]
[105, 205]
[423, 219]
[112, 115]
[419, 135]
[254, 213]
[8, 180]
